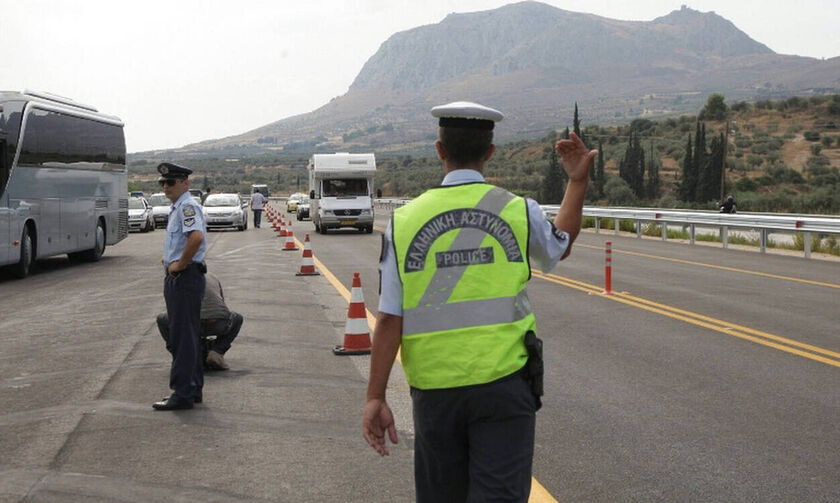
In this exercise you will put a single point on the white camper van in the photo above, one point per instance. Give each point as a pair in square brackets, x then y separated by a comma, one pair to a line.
[341, 191]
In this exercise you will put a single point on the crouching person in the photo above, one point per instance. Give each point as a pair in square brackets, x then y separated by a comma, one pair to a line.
[216, 321]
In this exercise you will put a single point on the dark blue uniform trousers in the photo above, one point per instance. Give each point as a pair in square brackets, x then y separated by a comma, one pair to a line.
[183, 292]
[474, 443]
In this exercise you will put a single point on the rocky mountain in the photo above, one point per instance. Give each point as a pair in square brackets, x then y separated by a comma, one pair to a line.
[533, 61]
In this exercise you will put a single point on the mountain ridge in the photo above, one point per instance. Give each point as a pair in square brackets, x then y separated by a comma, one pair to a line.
[532, 61]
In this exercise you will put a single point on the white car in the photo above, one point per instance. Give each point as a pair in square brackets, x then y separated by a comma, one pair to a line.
[225, 211]
[140, 215]
[160, 208]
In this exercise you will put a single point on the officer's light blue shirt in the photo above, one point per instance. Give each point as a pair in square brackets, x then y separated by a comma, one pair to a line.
[545, 248]
[185, 216]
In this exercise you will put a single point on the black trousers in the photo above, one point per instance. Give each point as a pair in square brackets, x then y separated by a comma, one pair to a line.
[475, 443]
[183, 292]
[225, 332]
[257, 217]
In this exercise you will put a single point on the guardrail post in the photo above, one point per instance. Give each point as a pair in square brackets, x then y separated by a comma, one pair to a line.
[608, 269]
[664, 231]
[692, 233]
[639, 229]
[806, 244]
[763, 240]
[597, 225]
[724, 236]
[616, 227]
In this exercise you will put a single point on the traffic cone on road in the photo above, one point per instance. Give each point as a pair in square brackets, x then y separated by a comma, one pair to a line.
[356, 330]
[307, 267]
[290, 242]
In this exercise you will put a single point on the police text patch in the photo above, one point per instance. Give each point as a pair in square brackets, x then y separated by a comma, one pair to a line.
[490, 223]
[189, 211]
[189, 221]
[456, 258]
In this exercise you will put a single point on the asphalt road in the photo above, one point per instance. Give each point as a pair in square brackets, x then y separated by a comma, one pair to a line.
[713, 377]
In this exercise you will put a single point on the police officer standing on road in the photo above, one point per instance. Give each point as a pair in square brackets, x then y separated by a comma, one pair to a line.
[183, 287]
[454, 265]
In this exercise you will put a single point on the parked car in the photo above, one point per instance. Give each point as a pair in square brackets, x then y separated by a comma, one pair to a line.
[225, 211]
[303, 208]
[140, 215]
[160, 208]
[293, 201]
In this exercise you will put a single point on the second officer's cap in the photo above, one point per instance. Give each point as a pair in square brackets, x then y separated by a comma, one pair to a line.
[468, 115]
[172, 171]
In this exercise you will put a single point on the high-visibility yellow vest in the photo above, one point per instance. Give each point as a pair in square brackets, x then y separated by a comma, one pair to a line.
[462, 256]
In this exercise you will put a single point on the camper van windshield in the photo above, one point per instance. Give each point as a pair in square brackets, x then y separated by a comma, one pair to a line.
[345, 187]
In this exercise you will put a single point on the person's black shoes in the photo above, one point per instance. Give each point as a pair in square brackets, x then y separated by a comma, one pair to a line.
[174, 402]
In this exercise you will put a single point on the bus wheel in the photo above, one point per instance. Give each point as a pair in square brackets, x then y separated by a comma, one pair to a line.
[22, 268]
[95, 253]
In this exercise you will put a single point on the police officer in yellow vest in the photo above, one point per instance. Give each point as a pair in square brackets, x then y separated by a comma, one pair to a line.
[454, 265]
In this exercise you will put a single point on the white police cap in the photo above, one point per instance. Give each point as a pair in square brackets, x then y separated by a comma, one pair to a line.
[465, 114]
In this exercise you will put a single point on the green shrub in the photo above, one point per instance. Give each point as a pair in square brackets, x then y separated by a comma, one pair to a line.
[812, 135]
[816, 148]
[783, 174]
[755, 160]
[746, 184]
[743, 142]
[827, 141]
[618, 192]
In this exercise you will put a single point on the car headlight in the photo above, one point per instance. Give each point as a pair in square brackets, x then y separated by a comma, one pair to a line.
[365, 212]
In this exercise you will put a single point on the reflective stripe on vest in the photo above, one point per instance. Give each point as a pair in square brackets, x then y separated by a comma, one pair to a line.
[462, 257]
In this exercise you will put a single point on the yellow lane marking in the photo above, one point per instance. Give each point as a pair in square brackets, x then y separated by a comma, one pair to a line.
[714, 266]
[731, 329]
[538, 493]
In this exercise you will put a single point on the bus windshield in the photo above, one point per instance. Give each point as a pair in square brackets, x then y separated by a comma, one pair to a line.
[345, 187]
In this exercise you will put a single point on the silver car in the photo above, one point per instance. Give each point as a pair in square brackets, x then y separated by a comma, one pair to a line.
[225, 211]
[140, 215]
[160, 208]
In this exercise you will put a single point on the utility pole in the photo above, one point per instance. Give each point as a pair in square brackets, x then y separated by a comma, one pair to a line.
[723, 162]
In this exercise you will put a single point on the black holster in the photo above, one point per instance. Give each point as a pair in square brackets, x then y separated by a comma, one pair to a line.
[535, 367]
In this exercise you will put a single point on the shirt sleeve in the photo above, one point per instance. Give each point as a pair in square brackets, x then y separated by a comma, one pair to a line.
[191, 218]
[546, 245]
[390, 286]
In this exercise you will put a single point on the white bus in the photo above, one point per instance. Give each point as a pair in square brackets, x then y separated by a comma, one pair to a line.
[63, 185]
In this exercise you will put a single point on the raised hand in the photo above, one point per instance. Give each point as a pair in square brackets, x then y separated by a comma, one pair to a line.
[577, 159]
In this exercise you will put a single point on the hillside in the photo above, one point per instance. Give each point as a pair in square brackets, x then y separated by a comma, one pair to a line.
[530, 60]
[782, 156]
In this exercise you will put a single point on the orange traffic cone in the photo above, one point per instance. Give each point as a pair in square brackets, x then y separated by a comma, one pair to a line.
[290, 242]
[307, 267]
[356, 330]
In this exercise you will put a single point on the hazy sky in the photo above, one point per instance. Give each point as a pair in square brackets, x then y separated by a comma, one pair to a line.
[181, 71]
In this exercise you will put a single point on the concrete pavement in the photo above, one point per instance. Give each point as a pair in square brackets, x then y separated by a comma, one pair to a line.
[284, 424]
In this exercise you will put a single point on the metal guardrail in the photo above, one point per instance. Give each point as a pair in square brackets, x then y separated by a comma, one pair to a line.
[763, 223]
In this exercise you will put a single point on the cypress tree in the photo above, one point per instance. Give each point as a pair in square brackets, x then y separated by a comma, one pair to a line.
[599, 171]
[653, 182]
[688, 178]
[632, 167]
[639, 176]
[708, 182]
[553, 187]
